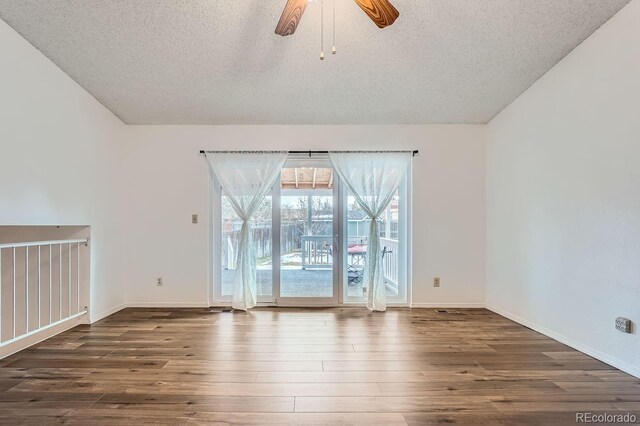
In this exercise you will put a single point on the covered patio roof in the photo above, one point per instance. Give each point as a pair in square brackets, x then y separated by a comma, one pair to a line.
[307, 178]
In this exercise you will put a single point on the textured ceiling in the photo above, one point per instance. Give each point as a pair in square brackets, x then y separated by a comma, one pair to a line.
[219, 62]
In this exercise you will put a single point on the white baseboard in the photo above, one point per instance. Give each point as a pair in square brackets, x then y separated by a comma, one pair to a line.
[607, 359]
[106, 313]
[167, 305]
[448, 305]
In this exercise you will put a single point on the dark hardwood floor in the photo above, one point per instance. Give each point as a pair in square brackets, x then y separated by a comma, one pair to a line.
[307, 366]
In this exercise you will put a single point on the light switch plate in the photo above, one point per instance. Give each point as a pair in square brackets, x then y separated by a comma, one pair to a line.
[623, 324]
[194, 218]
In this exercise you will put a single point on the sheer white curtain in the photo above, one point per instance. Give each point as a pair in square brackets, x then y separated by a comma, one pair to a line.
[372, 178]
[245, 179]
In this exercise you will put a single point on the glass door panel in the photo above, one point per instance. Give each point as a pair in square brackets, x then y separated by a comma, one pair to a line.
[306, 244]
[392, 226]
[261, 234]
[307, 229]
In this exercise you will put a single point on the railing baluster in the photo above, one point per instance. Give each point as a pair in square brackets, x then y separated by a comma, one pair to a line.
[14, 293]
[0, 295]
[69, 305]
[39, 285]
[78, 289]
[26, 286]
[60, 283]
[50, 279]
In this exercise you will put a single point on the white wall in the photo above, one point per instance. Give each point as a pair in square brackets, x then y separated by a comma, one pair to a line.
[66, 160]
[563, 197]
[169, 181]
[60, 158]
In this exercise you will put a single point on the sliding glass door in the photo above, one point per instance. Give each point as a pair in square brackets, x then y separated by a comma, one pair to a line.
[262, 239]
[310, 238]
[308, 262]
[394, 242]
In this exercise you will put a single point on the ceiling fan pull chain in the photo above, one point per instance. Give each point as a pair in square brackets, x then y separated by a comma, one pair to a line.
[333, 50]
[322, 30]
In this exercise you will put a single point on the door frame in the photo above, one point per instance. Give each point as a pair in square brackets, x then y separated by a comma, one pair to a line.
[215, 250]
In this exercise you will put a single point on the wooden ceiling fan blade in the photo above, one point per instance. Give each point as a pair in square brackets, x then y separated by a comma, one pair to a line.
[290, 17]
[381, 12]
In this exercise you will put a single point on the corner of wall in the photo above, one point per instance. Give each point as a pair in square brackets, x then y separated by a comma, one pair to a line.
[606, 358]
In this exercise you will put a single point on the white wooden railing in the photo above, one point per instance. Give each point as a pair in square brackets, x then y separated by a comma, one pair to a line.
[316, 251]
[390, 261]
[56, 267]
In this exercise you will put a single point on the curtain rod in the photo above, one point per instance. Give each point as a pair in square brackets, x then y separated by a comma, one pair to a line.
[202, 151]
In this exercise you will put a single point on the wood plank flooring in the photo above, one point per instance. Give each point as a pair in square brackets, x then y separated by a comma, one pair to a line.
[307, 366]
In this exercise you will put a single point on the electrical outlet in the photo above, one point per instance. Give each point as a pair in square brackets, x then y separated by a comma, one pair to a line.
[159, 281]
[194, 218]
[436, 281]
